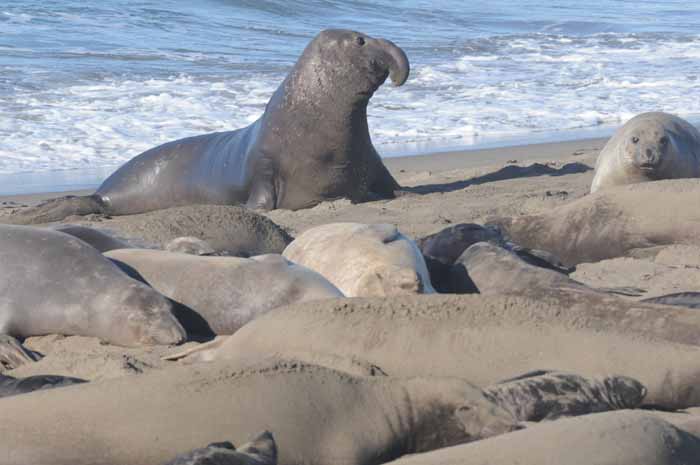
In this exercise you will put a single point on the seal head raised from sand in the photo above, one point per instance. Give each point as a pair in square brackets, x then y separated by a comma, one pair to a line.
[311, 144]
[649, 147]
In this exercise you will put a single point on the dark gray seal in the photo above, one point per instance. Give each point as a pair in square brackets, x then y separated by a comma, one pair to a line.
[262, 450]
[311, 144]
[10, 386]
[649, 147]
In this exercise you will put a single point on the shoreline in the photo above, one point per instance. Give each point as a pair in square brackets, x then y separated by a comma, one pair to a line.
[437, 161]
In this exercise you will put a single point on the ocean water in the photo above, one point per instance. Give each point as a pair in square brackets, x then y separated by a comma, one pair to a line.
[85, 86]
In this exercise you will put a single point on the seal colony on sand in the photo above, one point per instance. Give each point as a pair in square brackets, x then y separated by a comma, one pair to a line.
[54, 283]
[613, 222]
[486, 339]
[221, 294]
[649, 147]
[311, 144]
[363, 260]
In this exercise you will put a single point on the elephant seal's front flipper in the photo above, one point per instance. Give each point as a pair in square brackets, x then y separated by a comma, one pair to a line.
[552, 395]
[13, 353]
[10, 386]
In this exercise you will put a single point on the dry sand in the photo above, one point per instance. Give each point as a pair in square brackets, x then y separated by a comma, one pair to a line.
[441, 189]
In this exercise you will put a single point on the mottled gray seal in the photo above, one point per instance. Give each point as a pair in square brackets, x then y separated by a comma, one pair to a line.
[318, 416]
[221, 294]
[261, 450]
[363, 259]
[311, 144]
[10, 386]
[612, 222]
[611, 438]
[54, 283]
[489, 338]
[649, 147]
[549, 395]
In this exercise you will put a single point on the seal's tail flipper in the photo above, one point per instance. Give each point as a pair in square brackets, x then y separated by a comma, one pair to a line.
[13, 354]
[57, 210]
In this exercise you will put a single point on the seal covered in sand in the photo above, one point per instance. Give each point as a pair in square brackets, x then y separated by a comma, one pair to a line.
[318, 416]
[612, 438]
[311, 144]
[363, 259]
[260, 451]
[486, 339]
[613, 222]
[54, 283]
[224, 292]
[649, 147]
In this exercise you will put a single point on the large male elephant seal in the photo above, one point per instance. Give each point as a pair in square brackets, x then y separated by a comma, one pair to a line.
[486, 339]
[311, 144]
[612, 438]
[221, 294]
[54, 283]
[363, 260]
[649, 147]
[318, 416]
[613, 222]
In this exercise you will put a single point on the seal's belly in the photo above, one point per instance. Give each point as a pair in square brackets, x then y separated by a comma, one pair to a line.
[208, 169]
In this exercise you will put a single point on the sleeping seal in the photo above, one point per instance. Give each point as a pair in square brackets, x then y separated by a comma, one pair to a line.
[649, 147]
[54, 283]
[311, 144]
[363, 260]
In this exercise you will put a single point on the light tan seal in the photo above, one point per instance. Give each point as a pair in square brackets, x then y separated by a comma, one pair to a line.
[363, 260]
[649, 147]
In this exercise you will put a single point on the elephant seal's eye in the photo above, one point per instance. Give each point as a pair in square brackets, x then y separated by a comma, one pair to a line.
[635, 139]
[360, 41]
[664, 140]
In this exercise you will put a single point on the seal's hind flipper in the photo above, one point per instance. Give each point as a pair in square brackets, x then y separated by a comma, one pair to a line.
[13, 353]
[202, 353]
[58, 209]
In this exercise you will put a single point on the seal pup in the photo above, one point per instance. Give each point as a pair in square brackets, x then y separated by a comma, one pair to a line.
[10, 386]
[649, 147]
[261, 450]
[611, 438]
[612, 222]
[311, 144]
[319, 416]
[54, 283]
[486, 339]
[225, 292]
[363, 259]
